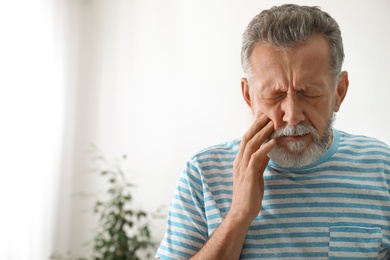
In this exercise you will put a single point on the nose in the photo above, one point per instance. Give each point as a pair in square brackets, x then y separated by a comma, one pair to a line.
[292, 110]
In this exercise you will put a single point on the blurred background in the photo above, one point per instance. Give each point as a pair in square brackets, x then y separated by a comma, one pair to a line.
[156, 80]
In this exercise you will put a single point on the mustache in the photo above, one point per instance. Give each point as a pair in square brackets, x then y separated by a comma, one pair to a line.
[300, 129]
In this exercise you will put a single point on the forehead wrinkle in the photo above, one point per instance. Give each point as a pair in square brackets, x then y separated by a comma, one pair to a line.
[273, 72]
[269, 88]
[289, 68]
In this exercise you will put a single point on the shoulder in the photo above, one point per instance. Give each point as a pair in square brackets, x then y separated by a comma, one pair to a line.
[220, 156]
[229, 147]
[361, 140]
[217, 152]
[361, 144]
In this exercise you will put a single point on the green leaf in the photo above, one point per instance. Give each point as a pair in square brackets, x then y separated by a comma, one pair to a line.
[121, 231]
[127, 197]
[141, 214]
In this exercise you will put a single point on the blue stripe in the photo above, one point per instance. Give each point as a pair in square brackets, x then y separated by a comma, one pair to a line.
[360, 139]
[218, 151]
[181, 189]
[259, 227]
[341, 195]
[215, 175]
[221, 184]
[216, 167]
[352, 258]
[191, 172]
[284, 255]
[176, 252]
[181, 244]
[337, 168]
[326, 204]
[187, 210]
[289, 244]
[187, 236]
[324, 185]
[287, 235]
[367, 240]
[188, 192]
[364, 162]
[216, 160]
[191, 185]
[365, 249]
[367, 145]
[222, 192]
[355, 230]
[360, 153]
[226, 200]
[214, 216]
[184, 226]
[326, 215]
[299, 178]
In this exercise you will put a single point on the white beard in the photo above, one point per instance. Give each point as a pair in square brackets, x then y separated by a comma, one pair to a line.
[297, 153]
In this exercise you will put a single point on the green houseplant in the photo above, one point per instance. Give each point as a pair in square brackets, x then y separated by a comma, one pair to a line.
[122, 232]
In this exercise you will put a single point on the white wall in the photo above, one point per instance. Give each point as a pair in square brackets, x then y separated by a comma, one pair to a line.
[160, 80]
[32, 90]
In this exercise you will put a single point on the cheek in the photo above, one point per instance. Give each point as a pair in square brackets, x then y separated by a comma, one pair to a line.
[272, 112]
[319, 115]
[316, 114]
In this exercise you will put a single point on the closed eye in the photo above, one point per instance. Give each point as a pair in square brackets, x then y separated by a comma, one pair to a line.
[274, 96]
[310, 95]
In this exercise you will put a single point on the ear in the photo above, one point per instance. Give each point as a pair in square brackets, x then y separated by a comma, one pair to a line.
[246, 91]
[342, 88]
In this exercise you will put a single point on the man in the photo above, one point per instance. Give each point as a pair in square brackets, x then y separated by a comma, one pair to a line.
[292, 187]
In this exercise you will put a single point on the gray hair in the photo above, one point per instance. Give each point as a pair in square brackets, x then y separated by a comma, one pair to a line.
[288, 25]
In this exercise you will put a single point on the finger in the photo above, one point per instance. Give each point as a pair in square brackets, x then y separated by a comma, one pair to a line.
[259, 159]
[257, 125]
[262, 135]
[263, 164]
[257, 141]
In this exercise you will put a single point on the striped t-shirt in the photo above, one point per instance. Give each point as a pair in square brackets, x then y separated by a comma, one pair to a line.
[335, 208]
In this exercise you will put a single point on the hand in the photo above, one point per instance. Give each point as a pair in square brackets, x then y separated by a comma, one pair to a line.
[248, 169]
[248, 189]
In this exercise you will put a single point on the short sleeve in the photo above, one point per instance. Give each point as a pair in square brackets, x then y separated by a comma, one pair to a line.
[186, 229]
